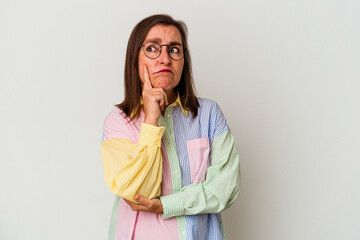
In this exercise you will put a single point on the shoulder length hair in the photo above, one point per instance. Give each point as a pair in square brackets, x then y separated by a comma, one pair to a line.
[131, 105]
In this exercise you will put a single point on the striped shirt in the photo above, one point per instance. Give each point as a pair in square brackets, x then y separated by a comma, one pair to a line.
[191, 164]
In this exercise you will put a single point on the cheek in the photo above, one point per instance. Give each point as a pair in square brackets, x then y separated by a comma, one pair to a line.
[147, 63]
[180, 70]
[141, 74]
[142, 63]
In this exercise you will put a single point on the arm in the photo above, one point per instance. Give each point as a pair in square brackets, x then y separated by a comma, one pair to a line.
[221, 187]
[132, 168]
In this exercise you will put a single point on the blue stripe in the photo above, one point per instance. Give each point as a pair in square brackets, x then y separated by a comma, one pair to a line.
[210, 123]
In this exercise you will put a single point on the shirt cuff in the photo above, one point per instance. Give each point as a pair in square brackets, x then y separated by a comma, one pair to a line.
[150, 134]
[172, 205]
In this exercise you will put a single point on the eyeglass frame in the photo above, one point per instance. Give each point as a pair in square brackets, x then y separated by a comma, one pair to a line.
[167, 50]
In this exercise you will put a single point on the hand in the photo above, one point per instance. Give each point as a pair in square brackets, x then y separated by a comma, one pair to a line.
[146, 205]
[155, 100]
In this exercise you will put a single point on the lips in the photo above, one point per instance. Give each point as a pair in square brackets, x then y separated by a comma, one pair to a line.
[164, 70]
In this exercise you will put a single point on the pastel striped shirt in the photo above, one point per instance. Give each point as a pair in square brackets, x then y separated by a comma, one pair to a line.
[192, 164]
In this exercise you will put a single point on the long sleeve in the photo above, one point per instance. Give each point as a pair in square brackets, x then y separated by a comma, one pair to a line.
[220, 188]
[200, 172]
[132, 168]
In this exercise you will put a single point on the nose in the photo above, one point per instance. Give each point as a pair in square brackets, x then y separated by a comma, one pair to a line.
[164, 57]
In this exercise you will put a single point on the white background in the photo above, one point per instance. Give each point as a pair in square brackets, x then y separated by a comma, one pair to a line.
[285, 73]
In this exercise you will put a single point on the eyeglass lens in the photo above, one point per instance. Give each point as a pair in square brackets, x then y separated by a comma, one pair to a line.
[153, 50]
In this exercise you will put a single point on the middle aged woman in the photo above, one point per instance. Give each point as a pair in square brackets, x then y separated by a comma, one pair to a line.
[168, 156]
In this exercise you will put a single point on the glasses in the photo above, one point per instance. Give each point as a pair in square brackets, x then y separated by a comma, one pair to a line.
[153, 50]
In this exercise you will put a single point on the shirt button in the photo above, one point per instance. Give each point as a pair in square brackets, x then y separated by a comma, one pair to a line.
[175, 172]
[184, 232]
[168, 115]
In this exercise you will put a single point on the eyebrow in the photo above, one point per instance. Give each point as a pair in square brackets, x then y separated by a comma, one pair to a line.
[159, 41]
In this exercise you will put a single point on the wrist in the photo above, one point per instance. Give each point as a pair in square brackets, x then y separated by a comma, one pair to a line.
[160, 207]
[151, 121]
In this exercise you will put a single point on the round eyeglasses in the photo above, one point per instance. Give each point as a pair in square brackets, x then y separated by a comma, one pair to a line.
[153, 50]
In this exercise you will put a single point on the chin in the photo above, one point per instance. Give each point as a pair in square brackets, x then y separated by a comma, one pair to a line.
[163, 83]
[165, 87]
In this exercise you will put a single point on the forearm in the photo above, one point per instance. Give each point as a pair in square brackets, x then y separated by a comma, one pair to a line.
[134, 168]
[217, 192]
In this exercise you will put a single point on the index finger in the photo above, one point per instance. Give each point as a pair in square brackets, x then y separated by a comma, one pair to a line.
[147, 83]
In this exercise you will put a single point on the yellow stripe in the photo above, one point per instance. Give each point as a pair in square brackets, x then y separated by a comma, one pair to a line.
[132, 169]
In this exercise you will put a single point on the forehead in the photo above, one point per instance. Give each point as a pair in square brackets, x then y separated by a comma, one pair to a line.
[163, 34]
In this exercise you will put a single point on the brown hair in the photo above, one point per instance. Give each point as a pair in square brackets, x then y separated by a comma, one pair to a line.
[132, 82]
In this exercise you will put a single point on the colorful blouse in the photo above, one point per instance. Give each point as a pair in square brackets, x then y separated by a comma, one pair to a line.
[192, 164]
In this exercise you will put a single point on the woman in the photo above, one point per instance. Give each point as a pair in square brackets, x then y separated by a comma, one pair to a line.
[168, 156]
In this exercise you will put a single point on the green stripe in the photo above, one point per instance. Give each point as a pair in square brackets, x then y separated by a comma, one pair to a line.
[171, 150]
[221, 187]
[113, 218]
[182, 227]
[218, 191]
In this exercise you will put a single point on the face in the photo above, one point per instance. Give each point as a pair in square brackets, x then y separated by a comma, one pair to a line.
[164, 72]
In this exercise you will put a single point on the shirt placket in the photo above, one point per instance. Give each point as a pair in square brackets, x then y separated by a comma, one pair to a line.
[171, 150]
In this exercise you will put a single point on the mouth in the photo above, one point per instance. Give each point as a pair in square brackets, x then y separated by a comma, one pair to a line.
[164, 70]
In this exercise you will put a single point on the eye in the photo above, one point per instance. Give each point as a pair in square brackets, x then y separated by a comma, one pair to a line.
[152, 48]
[174, 49]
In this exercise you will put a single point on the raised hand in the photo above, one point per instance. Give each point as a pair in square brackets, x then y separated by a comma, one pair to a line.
[155, 100]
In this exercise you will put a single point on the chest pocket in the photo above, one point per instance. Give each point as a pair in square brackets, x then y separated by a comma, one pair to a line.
[198, 150]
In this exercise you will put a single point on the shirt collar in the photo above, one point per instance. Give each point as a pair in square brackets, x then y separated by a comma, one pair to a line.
[177, 102]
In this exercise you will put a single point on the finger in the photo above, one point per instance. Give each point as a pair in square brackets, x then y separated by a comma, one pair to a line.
[161, 103]
[133, 206]
[143, 200]
[155, 96]
[147, 82]
[128, 202]
[162, 92]
[141, 208]
[164, 96]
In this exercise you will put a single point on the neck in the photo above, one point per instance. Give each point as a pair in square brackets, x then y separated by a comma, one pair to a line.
[171, 95]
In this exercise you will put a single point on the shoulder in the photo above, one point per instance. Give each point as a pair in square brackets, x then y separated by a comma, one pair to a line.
[116, 120]
[115, 116]
[206, 101]
[118, 125]
[208, 105]
[210, 109]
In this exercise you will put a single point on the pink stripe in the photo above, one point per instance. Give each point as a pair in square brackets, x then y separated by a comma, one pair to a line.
[116, 125]
[147, 225]
[132, 225]
[151, 226]
[198, 150]
[125, 222]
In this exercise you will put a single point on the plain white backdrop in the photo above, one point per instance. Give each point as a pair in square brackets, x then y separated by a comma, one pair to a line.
[285, 73]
